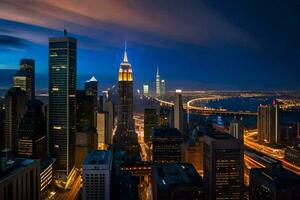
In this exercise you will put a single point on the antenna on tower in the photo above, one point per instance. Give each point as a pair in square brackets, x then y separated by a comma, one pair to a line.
[64, 19]
[125, 59]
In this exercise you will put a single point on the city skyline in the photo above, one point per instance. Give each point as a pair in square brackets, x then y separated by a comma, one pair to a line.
[98, 124]
[236, 45]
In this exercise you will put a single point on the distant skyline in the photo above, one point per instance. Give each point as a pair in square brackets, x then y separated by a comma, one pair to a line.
[250, 45]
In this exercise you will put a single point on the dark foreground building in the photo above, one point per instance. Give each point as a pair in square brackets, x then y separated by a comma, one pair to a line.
[20, 179]
[223, 166]
[274, 184]
[32, 132]
[176, 181]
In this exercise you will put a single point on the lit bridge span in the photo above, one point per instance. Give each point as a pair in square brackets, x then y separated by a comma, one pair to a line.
[205, 110]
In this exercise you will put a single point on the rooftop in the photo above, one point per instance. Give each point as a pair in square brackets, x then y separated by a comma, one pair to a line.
[93, 79]
[168, 174]
[12, 166]
[98, 158]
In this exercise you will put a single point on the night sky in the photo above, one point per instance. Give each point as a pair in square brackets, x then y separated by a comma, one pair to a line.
[252, 45]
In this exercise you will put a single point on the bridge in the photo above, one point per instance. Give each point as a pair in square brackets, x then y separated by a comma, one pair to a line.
[205, 110]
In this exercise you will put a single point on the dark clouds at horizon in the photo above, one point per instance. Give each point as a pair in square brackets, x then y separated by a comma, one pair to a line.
[197, 44]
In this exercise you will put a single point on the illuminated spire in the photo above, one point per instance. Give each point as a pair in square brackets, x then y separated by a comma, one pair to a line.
[125, 59]
[157, 71]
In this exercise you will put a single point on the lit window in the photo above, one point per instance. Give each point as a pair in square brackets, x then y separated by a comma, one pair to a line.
[55, 89]
[57, 127]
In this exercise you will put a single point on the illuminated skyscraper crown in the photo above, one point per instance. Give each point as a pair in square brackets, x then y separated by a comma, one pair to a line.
[125, 71]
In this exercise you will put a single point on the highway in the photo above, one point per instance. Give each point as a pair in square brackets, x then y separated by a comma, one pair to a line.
[71, 193]
[205, 110]
[139, 129]
[277, 154]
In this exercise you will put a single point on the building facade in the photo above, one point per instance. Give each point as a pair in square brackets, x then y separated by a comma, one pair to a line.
[223, 166]
[15, 107]
[20, 179]
[32, 132]
[267, 124]
[110, 109]
[150, 122]
[166, 145]
[178, 112]
[62, 102]
[157, 83]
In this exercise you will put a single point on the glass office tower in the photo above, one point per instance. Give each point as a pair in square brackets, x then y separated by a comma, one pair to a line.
[62, 102]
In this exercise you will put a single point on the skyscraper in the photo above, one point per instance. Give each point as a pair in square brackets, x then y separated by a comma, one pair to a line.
[15, 107]
[157, 83]
[102, 128]
[2, 120]
[25, 77]
[150, 122]
[178, 112]
[125, 91]
[163, 87]
[223, 166]
[62, 102]
[32, 132]
[267, 124]
[21, 79]
[91, 87]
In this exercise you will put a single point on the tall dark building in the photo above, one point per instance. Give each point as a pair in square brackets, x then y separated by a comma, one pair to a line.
[91, 89]
[176, 181]
[2, 120]
[125, 91]
[25, 78]
[15, 107]
[86, 133]
[150, 122]
[223, 166]
[110, 109]
[166, 145]
[273, 184]
[28, 65]
[178, 112]
[62, 102]
[85, 112]
[32, 132]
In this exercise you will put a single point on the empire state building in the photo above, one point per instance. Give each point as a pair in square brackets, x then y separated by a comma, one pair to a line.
[125, 91]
